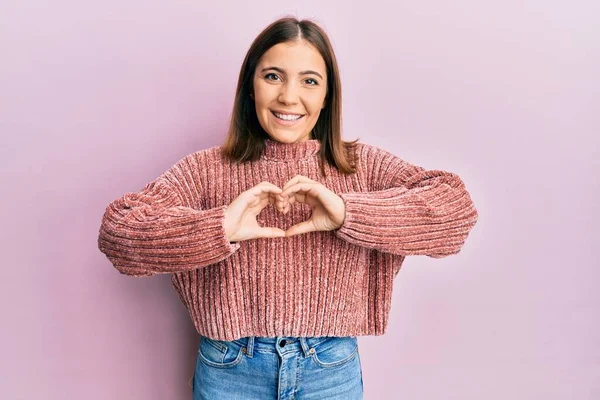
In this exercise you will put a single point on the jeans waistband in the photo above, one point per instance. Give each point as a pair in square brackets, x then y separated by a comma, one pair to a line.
[279, 344]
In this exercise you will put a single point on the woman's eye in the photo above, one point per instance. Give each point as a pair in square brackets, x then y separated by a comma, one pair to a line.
[270, 74]
[313, 82]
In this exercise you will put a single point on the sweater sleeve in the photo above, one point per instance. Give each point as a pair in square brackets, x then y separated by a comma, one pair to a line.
[411, 211]
[162, 228]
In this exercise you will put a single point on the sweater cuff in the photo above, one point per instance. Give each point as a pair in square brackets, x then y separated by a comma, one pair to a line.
[177, 239]
[433, 221]
[350, 227]
[381, 220]
[216, 220]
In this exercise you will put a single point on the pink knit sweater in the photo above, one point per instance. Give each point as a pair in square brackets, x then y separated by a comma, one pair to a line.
[336, 283]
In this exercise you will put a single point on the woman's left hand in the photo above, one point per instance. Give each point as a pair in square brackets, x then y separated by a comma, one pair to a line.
[329, 210]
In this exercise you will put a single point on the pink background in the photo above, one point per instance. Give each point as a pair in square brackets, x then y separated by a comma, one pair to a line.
[98, 98]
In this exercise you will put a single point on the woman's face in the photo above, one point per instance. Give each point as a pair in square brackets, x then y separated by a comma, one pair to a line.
[290, 84]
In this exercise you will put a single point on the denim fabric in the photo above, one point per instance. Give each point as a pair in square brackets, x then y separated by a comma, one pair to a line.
[278, 368]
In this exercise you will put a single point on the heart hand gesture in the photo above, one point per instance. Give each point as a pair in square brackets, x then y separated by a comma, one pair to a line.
[328, 208]
[240, 216]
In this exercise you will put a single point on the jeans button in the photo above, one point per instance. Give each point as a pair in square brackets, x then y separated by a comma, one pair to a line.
[282, 343]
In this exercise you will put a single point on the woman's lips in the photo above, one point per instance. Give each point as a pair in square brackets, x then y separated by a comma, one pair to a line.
[285, 121]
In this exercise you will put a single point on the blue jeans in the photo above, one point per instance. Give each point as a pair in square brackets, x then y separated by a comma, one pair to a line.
[278, 368]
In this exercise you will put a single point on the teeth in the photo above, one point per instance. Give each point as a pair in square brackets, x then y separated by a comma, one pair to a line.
[287, 117]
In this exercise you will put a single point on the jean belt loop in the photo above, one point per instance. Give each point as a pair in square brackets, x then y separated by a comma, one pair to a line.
[250, 347]
[305, 346]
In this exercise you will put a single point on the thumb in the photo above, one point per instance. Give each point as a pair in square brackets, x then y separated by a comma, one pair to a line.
[302, 227]
[268, 232]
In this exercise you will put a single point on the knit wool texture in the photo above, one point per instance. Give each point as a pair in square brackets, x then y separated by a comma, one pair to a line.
[333, 283]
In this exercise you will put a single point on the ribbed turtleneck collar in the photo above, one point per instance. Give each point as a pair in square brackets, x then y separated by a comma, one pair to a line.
[279, 151]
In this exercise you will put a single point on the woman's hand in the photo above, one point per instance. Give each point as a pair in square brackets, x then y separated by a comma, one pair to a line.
[329, 210]
[240, 216]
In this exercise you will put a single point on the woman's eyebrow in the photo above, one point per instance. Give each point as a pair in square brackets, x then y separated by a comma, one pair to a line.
[307, 72]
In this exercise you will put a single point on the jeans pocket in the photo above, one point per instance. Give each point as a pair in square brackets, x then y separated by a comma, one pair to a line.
[335, 351]
[220, 353]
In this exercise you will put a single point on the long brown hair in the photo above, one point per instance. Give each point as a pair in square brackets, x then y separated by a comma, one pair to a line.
[245, 139]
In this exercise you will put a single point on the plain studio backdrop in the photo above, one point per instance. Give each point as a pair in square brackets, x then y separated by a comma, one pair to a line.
[99, 98]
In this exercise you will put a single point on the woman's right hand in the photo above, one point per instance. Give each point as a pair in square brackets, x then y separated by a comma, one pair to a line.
[240, 216]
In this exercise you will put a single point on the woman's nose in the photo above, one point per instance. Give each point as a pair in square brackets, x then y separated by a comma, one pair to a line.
[288, 94]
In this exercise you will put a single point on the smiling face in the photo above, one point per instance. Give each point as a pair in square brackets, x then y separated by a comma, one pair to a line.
[289, 85]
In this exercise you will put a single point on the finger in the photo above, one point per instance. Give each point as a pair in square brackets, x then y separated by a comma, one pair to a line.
[273, 199]
[263, 203]
[281, 202]
[265, 187]
[311, 189]
[297, 179]
[302, 227]
[267, 183]
[261, 199]
[293, 200]
[284, 208]
[262, 191]
[281, 199]
[296, 197]
[269, 232]
[292, 181]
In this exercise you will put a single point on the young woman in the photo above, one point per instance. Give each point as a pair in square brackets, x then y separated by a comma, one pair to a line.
[284, 242]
